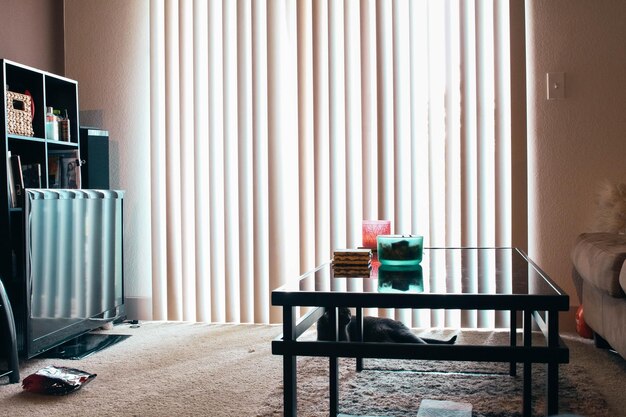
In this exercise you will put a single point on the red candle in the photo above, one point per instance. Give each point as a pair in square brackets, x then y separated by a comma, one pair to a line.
[373, 228]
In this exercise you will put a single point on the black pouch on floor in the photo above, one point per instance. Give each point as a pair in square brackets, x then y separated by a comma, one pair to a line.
[56, 380]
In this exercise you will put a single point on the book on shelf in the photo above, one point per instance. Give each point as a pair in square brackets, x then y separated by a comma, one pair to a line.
[32, 175]
[16, 180]
[64, 169]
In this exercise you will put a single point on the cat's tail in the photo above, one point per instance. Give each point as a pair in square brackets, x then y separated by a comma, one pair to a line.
[429, 341]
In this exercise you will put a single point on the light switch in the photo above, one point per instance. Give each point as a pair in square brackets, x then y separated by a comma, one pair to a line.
[556, 85]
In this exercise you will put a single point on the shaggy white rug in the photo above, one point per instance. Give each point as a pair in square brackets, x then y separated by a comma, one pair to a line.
[396, 387]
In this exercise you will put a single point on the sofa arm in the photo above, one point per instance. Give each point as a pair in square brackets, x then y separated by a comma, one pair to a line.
[598, 258]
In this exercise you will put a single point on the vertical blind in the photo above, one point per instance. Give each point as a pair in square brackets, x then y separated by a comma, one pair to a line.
[278, 126]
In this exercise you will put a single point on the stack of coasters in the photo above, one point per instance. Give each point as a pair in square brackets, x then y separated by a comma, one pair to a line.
[352, 262]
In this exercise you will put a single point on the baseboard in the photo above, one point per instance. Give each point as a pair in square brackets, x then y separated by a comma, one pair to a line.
[138, 308]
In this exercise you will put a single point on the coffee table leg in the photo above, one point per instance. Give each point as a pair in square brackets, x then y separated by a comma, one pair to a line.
[359, 321]
[552, 405]
[333, 369]
[513, 340]
[552, 377]
[334, 386]
[527, 406]
[290, 390]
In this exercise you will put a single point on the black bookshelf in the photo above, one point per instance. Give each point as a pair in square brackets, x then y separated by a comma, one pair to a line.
[37, 153]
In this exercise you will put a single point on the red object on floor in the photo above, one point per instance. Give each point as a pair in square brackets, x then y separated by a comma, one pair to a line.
[581, 327]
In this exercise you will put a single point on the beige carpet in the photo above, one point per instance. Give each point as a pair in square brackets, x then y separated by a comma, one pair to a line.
[164, 369]
[182, 369]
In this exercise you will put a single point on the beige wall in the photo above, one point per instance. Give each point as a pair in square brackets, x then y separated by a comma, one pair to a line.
[108, 53]
[31, 33]
[574, 143]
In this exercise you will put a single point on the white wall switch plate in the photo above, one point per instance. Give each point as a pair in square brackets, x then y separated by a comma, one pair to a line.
[556, 85]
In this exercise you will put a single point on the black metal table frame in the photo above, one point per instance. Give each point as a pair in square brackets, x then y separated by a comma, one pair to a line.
[543, 309]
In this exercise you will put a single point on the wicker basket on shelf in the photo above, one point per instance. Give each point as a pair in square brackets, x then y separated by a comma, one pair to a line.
[19, 114]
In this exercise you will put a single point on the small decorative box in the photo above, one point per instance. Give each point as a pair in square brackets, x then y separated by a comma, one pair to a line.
[400, 249]
[373, 228]
[19, 114]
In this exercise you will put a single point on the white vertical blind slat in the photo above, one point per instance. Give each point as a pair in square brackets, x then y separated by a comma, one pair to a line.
[419, 73]
[231, 162]
[216, 162]
[502, 129]
[384, 66]
[245, 161]
[172, 129]
[401, 117]
[369, 119]
[453, 140]
[401, 126]
[502, 122]
[337, 130]
[469, 169]
[354, 152]
[306, 152]
[201, 127]
[369, 106]
[187, 163]
[469, 205]
[453, 148]
[486, 146]
[158, 160]
[282, 145]
[260, 132]
[485, 115]
[436, 123]
[420, 147]
[321, 134]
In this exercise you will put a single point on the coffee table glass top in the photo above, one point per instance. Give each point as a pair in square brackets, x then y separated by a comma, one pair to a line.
[443, 271]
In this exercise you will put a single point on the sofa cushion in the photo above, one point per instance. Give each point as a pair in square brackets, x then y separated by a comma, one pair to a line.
[599, 258]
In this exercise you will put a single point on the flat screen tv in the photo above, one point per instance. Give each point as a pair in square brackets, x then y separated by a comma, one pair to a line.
[74, 265]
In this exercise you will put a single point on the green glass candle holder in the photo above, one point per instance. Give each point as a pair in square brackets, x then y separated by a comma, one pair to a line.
[401, 250]
[400, 279]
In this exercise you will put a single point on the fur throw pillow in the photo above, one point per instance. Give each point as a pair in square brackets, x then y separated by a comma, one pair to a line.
[611, 208]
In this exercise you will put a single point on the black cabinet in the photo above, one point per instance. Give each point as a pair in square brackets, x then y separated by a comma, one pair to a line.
[94, 150]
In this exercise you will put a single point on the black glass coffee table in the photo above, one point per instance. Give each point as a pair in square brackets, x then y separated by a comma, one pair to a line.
[503, 280]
